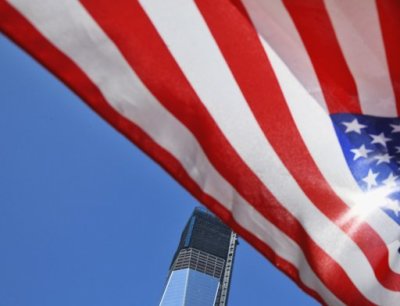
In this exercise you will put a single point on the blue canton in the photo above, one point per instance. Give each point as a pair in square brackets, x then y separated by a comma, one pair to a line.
[371, 146]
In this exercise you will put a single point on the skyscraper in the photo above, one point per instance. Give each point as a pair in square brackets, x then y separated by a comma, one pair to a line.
[201, 269]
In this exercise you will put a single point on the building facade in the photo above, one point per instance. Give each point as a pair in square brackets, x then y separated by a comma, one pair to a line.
[201, 269]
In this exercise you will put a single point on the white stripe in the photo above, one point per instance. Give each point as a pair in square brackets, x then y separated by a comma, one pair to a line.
[201, 61]
[320, 138]
[357, 27]
[86, 44]
[275, 25]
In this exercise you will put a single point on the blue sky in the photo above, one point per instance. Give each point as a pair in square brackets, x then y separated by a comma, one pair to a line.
[85, 217]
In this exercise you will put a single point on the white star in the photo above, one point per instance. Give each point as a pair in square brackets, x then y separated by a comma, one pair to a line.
[393, 205]
[396, 128]
[383, 158]
[390, 181]
[397, 149]
[370, 179]
[360, 152]
[381, 139]
[354, 126]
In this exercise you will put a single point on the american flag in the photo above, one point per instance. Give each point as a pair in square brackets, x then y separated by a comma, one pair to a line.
[279, 116]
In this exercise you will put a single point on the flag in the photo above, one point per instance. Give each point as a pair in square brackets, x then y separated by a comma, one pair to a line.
[280, 116]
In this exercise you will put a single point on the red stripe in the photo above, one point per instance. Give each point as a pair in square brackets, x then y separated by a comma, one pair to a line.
[24, 34]
[314, 26]
[147, 54]
[389, 16]
[258, 83]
